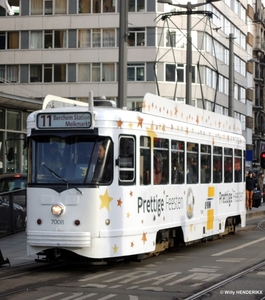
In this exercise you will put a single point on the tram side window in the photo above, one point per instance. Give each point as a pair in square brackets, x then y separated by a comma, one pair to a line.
[206, 164]
[145, 160]
[127, 160]
[192, 163]
[228, 164]
[217, 164]
[238, 165]
[177, 162]
[160, 161]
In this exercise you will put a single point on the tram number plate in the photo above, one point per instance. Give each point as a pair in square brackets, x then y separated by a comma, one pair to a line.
[57, 222]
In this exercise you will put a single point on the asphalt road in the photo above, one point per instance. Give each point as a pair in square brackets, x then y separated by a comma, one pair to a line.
[177, 274]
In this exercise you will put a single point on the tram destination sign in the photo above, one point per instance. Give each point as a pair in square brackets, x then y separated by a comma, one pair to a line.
[78, 120]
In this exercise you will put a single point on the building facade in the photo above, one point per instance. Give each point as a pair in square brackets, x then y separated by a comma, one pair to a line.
[70, 47]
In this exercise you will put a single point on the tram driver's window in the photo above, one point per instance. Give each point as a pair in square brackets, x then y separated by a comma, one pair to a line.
[192, 163]
[126, 160]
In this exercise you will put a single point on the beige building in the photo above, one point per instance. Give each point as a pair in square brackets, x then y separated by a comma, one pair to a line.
[71, 47]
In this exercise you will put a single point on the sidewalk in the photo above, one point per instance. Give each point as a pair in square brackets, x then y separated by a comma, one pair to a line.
[13, 247]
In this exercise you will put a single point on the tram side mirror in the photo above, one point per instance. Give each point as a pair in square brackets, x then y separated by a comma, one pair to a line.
[10, 154]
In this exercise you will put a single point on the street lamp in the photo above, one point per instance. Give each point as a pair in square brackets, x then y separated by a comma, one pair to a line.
[189, 7]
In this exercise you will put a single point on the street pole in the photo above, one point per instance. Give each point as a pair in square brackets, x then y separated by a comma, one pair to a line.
[188, 56]
[122, 72]
[231, 76]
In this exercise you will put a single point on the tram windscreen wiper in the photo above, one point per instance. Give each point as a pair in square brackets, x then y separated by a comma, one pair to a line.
[59, 177]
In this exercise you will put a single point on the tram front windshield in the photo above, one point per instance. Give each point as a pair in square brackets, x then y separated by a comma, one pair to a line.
[70, 160]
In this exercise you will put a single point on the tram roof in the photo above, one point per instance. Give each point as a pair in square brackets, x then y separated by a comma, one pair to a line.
[17, 102]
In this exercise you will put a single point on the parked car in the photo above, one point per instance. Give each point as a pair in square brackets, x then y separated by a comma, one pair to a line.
[19, 218]
[12, 181]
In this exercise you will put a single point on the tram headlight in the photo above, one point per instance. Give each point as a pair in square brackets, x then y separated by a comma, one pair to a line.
[57, 209]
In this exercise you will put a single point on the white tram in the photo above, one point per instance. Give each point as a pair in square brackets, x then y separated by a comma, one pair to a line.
[106, 183]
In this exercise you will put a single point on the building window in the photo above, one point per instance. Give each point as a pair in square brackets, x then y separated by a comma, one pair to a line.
[96, 40]
[108, 72]
[171, 38]
[60, 6]
[96, 6]
[12, 73]
[36, 73]
[171, 72]
[84, 37]
[48, 73]
[84, 6]
[83, 72]
[60, 39]
[60, 73]
[48, 7]
[48, 39]
[135, 72]
[36, 7]
[109, 6]
[108, 37]
[96, 72]
[136, 5]
[136, 37]
[36, 40]
[13, 40]
[2, 74]
[14, 118]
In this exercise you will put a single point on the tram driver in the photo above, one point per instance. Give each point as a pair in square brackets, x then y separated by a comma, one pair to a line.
[102, 171]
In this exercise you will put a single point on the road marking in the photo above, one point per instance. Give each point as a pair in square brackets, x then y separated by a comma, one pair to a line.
[239, 247]
[95, 277]
[94, 285]
[86, 296]
[51, 296]
[74, 295]
[107, 297]
[232, 260]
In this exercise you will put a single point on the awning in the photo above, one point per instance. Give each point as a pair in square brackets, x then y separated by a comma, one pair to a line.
[19, 103]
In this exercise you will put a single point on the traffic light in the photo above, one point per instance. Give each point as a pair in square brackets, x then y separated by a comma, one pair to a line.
[262, 159]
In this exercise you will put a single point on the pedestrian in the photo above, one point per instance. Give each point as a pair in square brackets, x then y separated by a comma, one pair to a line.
[250, 185]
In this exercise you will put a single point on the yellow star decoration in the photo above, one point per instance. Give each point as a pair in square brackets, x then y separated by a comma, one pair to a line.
[115, 249]
[128, 215]
[119, 123]
[187, 130]
[132, 244]
[213, 142]
[144, 239]
[119, 202]
[140, 122]
[105, 200]
[131, 193]
[197, 120]
[130, 125]
[163, 128]
[176, 111]
[150, 132]
[142, 221]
